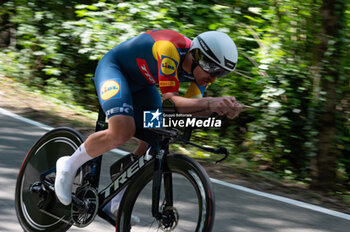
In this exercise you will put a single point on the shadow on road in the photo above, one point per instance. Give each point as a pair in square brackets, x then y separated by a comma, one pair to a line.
[14, 144]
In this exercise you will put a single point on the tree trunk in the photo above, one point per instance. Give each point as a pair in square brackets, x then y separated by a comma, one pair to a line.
[5, 27]
[330, 51]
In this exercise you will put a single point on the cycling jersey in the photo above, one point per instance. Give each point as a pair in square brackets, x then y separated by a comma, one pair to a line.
[127, 76]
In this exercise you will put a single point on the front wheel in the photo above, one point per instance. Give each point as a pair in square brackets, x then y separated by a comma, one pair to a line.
[36, 206]
[192, 206]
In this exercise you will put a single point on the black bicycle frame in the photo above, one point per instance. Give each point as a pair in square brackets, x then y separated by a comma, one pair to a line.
[158, 152]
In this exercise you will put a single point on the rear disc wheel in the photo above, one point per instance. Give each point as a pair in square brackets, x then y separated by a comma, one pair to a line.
[41, 211]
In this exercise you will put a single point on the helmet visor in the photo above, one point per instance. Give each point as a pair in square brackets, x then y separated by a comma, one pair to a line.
[211, 67]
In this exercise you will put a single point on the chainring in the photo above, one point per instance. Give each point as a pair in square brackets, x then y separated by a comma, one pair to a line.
[83, 216]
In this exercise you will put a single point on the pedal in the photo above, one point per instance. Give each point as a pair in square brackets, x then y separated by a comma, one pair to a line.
[38, 188]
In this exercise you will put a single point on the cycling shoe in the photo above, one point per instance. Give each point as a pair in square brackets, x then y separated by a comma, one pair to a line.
[63, 182]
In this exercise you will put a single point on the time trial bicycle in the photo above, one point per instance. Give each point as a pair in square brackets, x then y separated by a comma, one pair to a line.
[167, 192]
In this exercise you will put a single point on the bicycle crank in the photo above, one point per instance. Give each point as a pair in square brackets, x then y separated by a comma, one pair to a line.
[85, 206]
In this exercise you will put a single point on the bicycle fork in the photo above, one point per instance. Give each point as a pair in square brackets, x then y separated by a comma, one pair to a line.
[159, 171]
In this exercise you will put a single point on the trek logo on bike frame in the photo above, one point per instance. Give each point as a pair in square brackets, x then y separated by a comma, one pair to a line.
[127, 174]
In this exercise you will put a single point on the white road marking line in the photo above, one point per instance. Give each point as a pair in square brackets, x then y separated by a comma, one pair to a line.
[43, 126]
[284, 200]
[29, 121]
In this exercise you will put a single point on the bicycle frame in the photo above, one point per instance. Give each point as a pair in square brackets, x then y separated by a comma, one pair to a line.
[159, 151]
[157, 154]
[108, 193]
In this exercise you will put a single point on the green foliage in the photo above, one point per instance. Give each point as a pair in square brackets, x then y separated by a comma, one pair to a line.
[55, 46]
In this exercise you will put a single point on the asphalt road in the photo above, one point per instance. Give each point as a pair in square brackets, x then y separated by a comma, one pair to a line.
[235, 210]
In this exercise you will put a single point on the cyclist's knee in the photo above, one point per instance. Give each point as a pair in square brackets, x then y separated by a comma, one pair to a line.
[121, 128]
[114, 141]
[141, 148]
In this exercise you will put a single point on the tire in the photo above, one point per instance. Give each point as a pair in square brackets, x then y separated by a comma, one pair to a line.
[41, 158]
[193, 198]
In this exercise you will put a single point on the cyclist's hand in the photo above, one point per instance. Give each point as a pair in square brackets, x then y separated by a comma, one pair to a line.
[227, 106]
[237, 109]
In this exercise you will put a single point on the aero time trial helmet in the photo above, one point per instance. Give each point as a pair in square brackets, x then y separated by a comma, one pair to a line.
[215, 53]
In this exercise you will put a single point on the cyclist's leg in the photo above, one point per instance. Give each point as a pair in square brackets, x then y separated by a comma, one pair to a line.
[147, 99]
[120, 129]
[141, 148]
[115, 98]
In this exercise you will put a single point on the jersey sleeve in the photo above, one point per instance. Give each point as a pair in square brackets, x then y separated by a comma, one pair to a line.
[195, 91]
[168, 59]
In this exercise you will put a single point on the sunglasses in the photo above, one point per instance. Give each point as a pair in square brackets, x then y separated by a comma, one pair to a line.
[210, 67]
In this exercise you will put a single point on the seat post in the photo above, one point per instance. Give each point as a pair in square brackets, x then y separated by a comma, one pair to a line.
[101, 123]
[101, 120]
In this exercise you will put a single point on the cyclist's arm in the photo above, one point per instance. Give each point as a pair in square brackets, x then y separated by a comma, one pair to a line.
[189, 105]
[195, 91]
[206, 105]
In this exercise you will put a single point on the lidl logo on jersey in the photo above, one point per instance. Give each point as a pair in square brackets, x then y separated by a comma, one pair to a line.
[152, 119]
[109, 89]
[168, 66]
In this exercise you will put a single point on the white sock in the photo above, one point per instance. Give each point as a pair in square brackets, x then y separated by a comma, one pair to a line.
[75, 161]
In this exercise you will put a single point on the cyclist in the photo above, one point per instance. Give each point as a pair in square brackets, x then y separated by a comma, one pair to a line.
[126, 80]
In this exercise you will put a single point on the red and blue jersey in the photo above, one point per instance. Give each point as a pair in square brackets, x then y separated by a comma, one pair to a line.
[155, 58]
